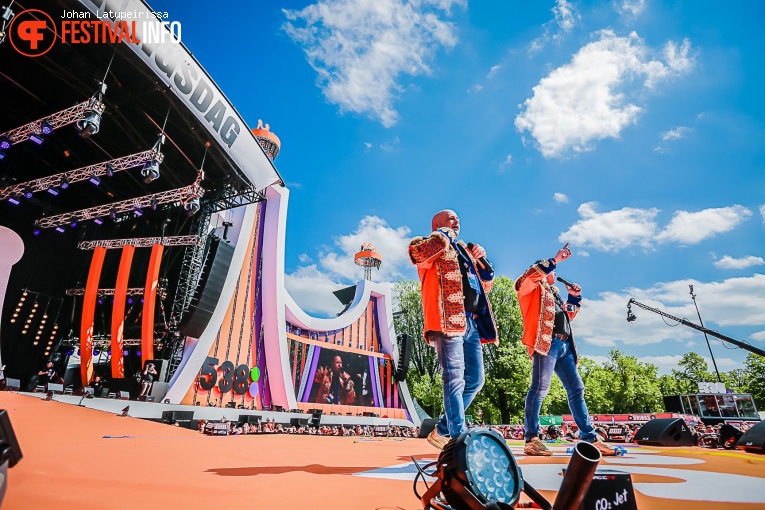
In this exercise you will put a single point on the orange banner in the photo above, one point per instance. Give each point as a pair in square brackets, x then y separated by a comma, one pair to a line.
[149, 302]
[88, 313]
[118, 311]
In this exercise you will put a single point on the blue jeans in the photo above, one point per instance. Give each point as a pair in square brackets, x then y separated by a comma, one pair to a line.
[560, 360]
[462, 372]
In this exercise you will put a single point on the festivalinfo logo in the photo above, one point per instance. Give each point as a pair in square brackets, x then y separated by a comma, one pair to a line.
[33, 33]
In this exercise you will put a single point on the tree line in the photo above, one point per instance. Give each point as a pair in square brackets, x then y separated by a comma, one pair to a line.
[622, 384]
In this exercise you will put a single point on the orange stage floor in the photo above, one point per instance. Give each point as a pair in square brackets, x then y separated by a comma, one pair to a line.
[77, 458]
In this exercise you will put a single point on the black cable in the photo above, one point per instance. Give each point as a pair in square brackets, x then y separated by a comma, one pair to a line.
[421, 472]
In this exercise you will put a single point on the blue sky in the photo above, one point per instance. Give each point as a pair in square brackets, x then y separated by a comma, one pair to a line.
[631, 129]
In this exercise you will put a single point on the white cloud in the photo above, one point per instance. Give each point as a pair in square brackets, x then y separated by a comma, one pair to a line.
[565, 15]
[585, 100]
[475, 88]
[367, 145]
[630, 7]
[731, 302]
[493, 71]
[728, 262]
[507, 162]
[759, 336]
[675, 134]
[613, 230]
[391, 146]
[693, 227]
[561, 198]
[304, 258]
[360, 49]
[311, 285]
[762, 213]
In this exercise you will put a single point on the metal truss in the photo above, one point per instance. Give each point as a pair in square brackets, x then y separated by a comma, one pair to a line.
[82, 174]
[231, 198]
[56, 120]
[133, 291]
[191, 269]
[102, 343]
[164, 197]
[141, 242]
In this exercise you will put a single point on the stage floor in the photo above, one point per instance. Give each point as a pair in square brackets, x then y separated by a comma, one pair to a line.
[78, 458]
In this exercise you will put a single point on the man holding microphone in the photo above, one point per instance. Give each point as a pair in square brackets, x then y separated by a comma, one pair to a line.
[548, 337]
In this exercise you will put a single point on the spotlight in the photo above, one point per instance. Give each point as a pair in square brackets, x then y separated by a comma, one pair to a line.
[59, 229]
[154, 204]
[5, 143]
[125, 352]
[150, 171]
[28, 193]
[37, 138]
[98, 221]
[110, 170]
[13, 201]
[130, 301]
[113, 213]
[477, 469]
[89, 124]
[36, 232]
[95, 179]
[137, 353]
[192, 206]
[53, 191]
[64, 182]
[74, 224]
[46, 128]
[138, 211]
[96, 352]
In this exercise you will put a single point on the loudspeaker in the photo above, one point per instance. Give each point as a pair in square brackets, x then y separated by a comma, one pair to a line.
[174, 416]
[753, 440]
[316, 417]
[404, 353]
[13, 384]
[146, 398]
[298, 422]
[664, 432]
[56, 388]
[426, 427]
[214, 271]
[159, 389]
[252, 419]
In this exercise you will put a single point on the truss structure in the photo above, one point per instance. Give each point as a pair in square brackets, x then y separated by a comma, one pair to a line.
[164, 197]
[141, 242]
[231, 198]
[82, 174]
[133, 291]
[102, 343]
[56, 120]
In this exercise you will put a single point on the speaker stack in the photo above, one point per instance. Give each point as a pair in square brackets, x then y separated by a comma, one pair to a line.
[404, 354]
[426, 427]
[753, 440]
[664, 432]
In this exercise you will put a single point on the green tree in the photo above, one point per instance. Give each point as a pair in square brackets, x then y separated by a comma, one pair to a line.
[634, 385]
[408, 319]
[693, 370]
[596, 380]
[754, 378]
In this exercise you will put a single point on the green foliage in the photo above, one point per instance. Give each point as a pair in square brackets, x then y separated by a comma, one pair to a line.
[754, 379]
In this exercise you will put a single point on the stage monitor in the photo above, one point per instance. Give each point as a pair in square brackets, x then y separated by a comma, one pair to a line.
[56, 388]
[12, 384]
[298, 422]
[9, 446]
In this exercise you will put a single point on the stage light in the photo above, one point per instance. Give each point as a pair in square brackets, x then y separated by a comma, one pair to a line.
[192, 206]
[125, 352]
[110, 170]
[13, 201]
[53, 191]
[74, 224]
[59, 229]
[154, 204]
[5, 143]
[113, 213]
[95, 179]
[477, 469]
[69, 352]
[98, 221]
[130, 301]
[89, 124]
[28, 193]
[150, 171]
[37, 138]
[96, 352]
[137, 353]
[138, 212]
[64, 182]
[46, 128]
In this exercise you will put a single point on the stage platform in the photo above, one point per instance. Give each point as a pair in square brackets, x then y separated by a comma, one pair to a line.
[80, 458]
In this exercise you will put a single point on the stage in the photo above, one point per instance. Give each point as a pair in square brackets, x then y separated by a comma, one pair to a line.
[82, 459]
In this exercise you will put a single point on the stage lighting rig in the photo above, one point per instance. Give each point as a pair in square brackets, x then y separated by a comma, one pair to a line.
[113, 209]
[192, 205]
[150, 170]
[93, 173]
[90, 122]
[6, 15]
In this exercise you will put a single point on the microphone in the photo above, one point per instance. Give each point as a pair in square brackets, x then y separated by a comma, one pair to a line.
[482, 261]
[564, 281]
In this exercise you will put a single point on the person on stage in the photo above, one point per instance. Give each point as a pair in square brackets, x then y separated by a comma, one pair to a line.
[548, 337]
[455, 281]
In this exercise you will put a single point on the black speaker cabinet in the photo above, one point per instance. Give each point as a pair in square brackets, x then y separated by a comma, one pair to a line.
[753, 440]
[426, 427]
[174, 416]
[664, 432]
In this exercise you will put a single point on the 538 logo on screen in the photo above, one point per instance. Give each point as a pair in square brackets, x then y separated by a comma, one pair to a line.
[236, 379]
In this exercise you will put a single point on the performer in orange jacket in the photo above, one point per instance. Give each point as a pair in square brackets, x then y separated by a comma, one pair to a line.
[548, 337]
[455, 279]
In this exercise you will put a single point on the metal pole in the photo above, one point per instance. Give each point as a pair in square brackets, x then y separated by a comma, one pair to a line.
[693, 296]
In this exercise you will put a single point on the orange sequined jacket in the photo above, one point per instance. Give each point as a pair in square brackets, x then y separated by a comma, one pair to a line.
[537, 303]
[443, 303]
